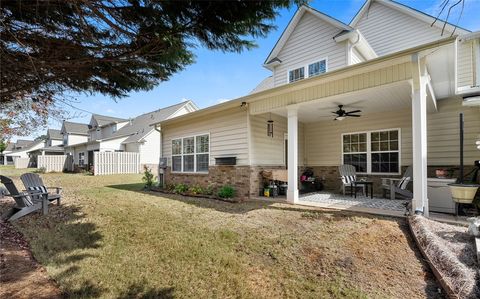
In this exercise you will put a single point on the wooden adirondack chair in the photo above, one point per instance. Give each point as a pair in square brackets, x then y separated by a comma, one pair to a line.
[25, 202]
[33, 182]
[348, 174]
[398, 187]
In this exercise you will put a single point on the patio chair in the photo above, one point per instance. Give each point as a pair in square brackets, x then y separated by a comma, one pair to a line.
[25, 202]
[348, 175]
[398, 187]
[34, 183]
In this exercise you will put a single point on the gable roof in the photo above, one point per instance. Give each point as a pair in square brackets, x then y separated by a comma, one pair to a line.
[74, 128]
[31, 145]
[54, 134]
[22, 143]
[141, 126]
[104, 120]
[293, 23]
[407, 10]
[10, 147]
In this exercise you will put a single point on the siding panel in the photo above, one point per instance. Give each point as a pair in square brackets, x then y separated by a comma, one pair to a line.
[311, 41]
[388, 30]
[228, 134]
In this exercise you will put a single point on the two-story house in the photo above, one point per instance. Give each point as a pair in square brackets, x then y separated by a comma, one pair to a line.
[403, 82]
[111, 134]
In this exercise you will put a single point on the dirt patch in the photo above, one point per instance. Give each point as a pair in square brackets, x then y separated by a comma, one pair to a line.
[20, 275]
[452, 252]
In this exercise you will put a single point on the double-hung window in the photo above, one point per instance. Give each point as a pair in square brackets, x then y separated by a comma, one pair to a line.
[191, 154]
[296, 74]
[81, 159]
[317, 68]
[373, 152]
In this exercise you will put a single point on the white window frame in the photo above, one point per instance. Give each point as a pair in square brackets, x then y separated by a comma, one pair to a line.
[82, 160]
[305, 70]
[320, 60]
[194, 153]
[369, 150]
[294, 69]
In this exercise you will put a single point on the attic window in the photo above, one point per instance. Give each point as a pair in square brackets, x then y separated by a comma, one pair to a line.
[296, 74]
[317, 68]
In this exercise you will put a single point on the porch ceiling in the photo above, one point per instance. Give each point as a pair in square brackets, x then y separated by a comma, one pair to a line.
[390, 97]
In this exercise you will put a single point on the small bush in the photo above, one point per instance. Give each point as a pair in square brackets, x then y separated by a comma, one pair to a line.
[226, 192]
[181, 188]
[41, 170]
[196, 190]
[170, 187]
[209, 190]
[147, 177]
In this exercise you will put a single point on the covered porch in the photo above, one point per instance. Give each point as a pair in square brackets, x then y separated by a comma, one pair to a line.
[400, 98]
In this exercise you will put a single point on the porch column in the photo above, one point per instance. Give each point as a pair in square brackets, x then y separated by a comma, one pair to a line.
[419, 136]
[292, 193]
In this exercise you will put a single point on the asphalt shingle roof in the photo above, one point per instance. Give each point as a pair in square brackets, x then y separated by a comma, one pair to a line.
[103, 120]
[23, 143]
[54, 134]
[77, 128]
[140, 126]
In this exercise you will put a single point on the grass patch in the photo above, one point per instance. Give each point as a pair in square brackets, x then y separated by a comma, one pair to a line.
[110, 239]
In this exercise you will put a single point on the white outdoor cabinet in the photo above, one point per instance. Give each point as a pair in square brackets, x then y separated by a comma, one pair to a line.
[440, 196]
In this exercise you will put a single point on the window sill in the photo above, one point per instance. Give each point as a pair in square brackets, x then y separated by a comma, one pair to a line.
[189, 173]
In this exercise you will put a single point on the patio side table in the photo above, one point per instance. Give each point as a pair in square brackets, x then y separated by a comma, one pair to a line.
[353, 185]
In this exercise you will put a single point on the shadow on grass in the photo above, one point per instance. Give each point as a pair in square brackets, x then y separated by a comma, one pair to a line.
[53, 240]
[247, 206]
[141, 290]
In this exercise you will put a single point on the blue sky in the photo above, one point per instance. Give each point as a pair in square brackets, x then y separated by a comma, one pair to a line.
[217, 76]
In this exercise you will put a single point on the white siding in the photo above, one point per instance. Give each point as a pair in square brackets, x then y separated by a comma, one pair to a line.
[150, 148]
[311, 40]
[55, 142]
[113, 144]
[323, 139]
[76, 139]
[267, 151]
[388, 30]
[228, 134]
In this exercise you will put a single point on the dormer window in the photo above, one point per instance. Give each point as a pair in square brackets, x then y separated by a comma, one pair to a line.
[317, 68]
[114, 128]
[296, 74]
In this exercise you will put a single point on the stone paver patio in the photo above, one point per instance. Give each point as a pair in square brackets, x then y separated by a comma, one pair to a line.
[348, 201]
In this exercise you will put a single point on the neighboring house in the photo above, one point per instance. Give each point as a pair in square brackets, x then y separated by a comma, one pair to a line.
[53, 145]
[408, 80]
[109, 134]
[22, 149]
[3, 160]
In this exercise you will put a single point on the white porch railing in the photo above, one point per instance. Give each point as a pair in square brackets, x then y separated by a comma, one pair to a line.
[105, 163]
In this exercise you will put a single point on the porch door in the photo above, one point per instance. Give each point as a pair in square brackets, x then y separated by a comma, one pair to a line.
[90, 160]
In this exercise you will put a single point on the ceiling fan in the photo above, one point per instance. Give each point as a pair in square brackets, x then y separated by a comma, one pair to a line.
[342, 114]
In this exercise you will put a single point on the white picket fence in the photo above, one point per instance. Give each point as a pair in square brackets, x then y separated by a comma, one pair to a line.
[115, 163]
[55, 163]
[21, 162]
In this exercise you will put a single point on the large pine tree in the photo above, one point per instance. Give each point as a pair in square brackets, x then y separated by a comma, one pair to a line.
[114, 46]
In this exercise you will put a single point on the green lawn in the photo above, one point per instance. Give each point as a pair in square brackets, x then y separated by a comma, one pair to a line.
[109, 239]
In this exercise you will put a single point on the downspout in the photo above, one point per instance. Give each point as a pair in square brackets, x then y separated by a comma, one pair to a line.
[160, 170]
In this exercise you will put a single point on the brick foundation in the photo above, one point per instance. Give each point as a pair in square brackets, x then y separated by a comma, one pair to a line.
[217, 176]
[248, 182]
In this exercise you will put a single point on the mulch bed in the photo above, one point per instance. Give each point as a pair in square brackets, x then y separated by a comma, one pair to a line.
[450, 250]
[20, 274]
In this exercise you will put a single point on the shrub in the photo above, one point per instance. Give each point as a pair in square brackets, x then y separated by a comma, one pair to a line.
[226, 192]
[41, 170]
[147, 177]
[181, 188]
[170, 187]
[196, 190]
[209, 190]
